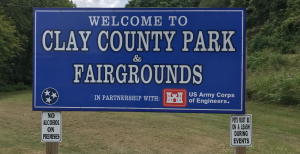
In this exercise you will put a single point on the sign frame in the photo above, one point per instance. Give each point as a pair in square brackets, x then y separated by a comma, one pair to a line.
[35, 107]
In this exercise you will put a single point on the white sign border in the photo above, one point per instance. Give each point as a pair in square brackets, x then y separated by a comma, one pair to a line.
[92, 10]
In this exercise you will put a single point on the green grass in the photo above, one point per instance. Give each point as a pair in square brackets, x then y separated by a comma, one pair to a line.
[16, 96]
[275, 130]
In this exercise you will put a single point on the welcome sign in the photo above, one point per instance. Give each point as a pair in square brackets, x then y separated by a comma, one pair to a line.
[154, 60]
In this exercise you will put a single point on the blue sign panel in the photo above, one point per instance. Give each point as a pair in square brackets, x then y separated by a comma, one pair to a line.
[149, 60]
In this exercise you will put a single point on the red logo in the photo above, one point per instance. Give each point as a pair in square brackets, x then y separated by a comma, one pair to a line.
[174, 98]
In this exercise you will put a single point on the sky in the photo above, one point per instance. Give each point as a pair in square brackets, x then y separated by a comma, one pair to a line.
[101, 3]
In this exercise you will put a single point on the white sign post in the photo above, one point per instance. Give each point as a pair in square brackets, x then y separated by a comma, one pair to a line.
[51, 127]
[241, 130]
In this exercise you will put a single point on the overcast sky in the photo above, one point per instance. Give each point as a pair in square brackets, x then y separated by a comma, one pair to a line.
[100, 3]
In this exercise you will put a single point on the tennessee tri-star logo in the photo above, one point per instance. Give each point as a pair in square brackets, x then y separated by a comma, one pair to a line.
[50, 96]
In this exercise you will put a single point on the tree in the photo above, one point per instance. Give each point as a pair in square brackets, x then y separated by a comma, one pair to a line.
[162, 3]
[215, 3]
[10, 47]
[21, 11]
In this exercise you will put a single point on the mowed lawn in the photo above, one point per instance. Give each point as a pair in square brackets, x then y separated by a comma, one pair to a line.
[276, 130]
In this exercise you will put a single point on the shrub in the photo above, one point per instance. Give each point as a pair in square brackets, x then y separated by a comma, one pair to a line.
[281, 87]
[9, 88]
[265, 61]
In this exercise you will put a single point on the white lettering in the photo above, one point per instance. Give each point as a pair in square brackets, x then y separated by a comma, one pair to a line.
[145, 21]
[227, 40]
[105, 20]
[215, 41]
[78, 70]
[157, 20]
[94, 21]
[172, 20]
[186, 40]
[72, 41]
[84, 39]
[44, 39]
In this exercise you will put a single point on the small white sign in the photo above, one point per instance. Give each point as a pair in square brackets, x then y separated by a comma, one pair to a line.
[51, 127]
[241, 130]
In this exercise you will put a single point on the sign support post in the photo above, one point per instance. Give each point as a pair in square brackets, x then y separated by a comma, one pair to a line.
[239, 150]
[242, 150]
[51, 147]
[51, 126]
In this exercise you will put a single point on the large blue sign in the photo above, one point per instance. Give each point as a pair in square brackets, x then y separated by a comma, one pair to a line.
[153, 60]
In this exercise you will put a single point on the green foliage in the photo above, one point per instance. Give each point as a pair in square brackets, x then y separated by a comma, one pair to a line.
[162, 3]
[10, 47]
[215, 3]
[277, 87]
[239, 3]
[273, 25]
[273, 78]
[265, 61]
[9, 41]
[17, 87]
[18, 66]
